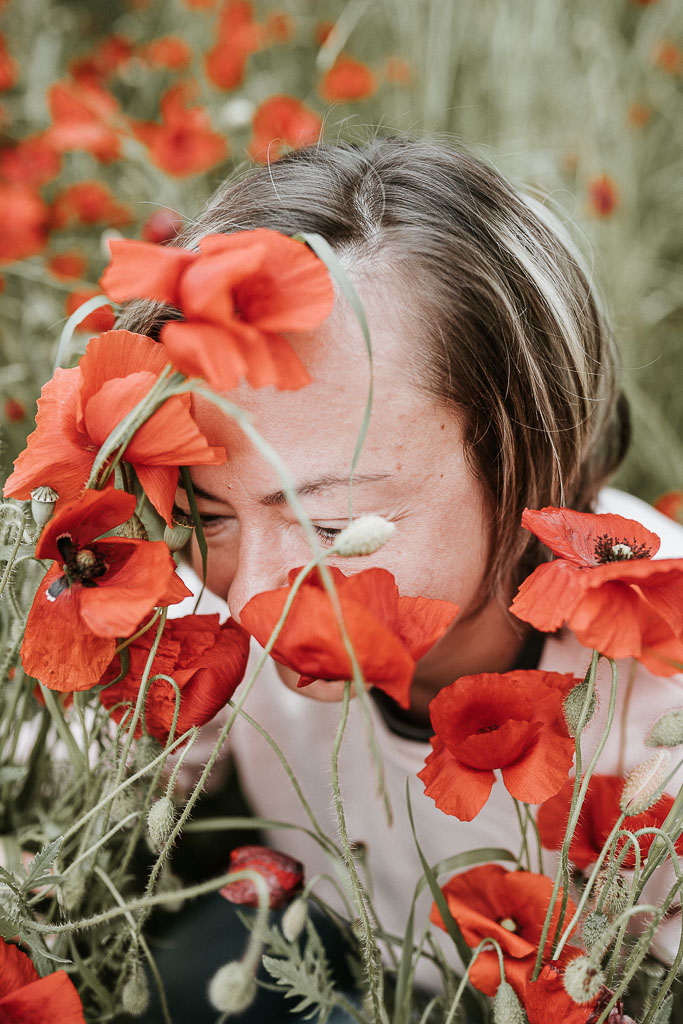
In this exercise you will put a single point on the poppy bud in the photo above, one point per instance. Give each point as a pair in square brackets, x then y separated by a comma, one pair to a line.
[160, 821]
[135, 993]
[643, 784]
[363, 536]
[146, 749]
[177, 536]
[294, 919]
[594, 931]
[611, 891]
[43, 501]
[667, 730]
[232, 988]
[507, 1008]
[282, 874]
[132, 529]
[573, 706]
[583, 979]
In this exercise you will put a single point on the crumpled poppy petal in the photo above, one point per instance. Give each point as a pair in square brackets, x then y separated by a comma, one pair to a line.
[485, 972]
[205, 350]
[547, 597]
[95, 513]
[57, 648]
[143, 270]
[206, 288]
[499, 747]
[117, 604]
[454, 787]
[543, 770]
[546, 999]
[44, 1001]
[54, 455]
[663, 591]
[572, 535]
[423, 621]
[608, 620]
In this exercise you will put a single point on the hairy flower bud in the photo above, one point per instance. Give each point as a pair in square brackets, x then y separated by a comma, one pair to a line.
[294, 919]
[595, 931]
[611, 890]
[43, 501]
[135, 993]
[177, 535]
[507, 1008]
[667, 730]
[232, 988]
[146, 749]
[583, 979]
[642, 787]
[160, 821]
[573, 706]
[363, 536]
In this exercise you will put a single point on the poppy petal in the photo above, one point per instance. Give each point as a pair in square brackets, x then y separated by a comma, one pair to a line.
[543, 770]
[573, 535]
[16, 968]
[454, 787]
[596, 625]
[206, 289]
[143, 270]
[205, 350]
[95, 513]
[57, 648]
[423, 621]
[547, 598]
[117, 354]
[289, 373]
[44, 1001]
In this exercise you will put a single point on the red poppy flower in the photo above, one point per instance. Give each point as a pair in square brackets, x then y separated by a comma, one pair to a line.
[279, 27]
[398, 71]
[9, 71]
[510, 906]
[238, 37]
[668, 56]
[237, 294]
[96, 591]
[32, 161]
[15, 411]
[67, 264]
[671, 505]
[161, 226]
[167, 52]
[100, 320]
[389, 633]
[88, 202]
[547, 1000]
[79, 408]
[281, 122]
[206, 660]
[347, 79]
[605, 586]
[514, 722]
[282, 874]
[183, 143]
[108, 57]
[598, 816]
[24, 997]
[638, 114]
[603, 196]
[85, 116]
[24, 217]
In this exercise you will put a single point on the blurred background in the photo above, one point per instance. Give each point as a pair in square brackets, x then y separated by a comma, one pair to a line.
[121, 117]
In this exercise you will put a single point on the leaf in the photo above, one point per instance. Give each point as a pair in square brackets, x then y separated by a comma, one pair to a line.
[42, 861]
[663, 1014]
[306, 977]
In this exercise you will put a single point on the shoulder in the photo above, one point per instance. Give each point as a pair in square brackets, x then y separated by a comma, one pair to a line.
[630, 507]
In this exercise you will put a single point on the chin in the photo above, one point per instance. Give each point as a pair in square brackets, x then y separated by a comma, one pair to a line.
[328, 691]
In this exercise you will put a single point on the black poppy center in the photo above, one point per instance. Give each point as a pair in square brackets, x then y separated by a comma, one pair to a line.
[619, 549]
[80, 565]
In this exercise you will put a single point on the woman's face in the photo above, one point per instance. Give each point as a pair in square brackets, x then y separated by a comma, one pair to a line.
[412, 471]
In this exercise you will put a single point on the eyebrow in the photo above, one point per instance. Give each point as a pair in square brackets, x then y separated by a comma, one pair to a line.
[303, 490]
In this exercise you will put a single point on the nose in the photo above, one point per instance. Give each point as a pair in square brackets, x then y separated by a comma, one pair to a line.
[261, 565]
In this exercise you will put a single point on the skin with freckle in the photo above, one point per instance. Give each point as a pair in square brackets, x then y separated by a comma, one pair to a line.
[440, 544]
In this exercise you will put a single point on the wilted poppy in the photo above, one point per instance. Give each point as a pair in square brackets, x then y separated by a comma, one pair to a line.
[237, 294]
[85, 116]
[509, 906]
[238, 36]
[389, 634]
[184, 143]
[605, 586]
[347, 79]
[281, 122]
[96, 591]
[598, 816]
[282, 874]
[25, 997]
[206, 660]
[24, 218]
[513, 722]
[79, 408]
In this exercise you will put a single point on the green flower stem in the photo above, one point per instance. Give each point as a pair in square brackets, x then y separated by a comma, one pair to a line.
[139, 940]
[143, 629]
[100, 842]
[628, 693]
[637, 954]
[588, 887]
[463, 982]
[562, 872]
[78, 758]
[368, 946]
[14, 548]
[534, 827]
[521, 820]
[666, 984]
[671, 826]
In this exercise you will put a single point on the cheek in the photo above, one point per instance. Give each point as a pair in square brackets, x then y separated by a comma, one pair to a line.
[221, 566]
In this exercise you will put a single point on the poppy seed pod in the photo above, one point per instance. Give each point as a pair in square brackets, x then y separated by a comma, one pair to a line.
[507, 1008]
[583, 979]
[232, 988]
[178, 534]
[43, 501]
[363, 536]
[667, 730]
[643, 784]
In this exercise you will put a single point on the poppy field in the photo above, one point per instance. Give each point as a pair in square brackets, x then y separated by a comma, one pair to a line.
[118, 124]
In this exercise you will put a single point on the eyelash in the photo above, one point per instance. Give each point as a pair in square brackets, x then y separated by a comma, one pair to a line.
[327, 533]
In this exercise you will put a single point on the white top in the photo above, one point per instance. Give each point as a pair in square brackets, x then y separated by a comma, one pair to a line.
[304, 730]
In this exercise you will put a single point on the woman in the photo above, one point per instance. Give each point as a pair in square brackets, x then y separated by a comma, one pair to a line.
[495, 389]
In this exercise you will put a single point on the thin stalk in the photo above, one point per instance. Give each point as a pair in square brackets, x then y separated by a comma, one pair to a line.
[465, 978]
[539, 848]
[14, 550]
[77, 757]
[628, 693]
[524, 852]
